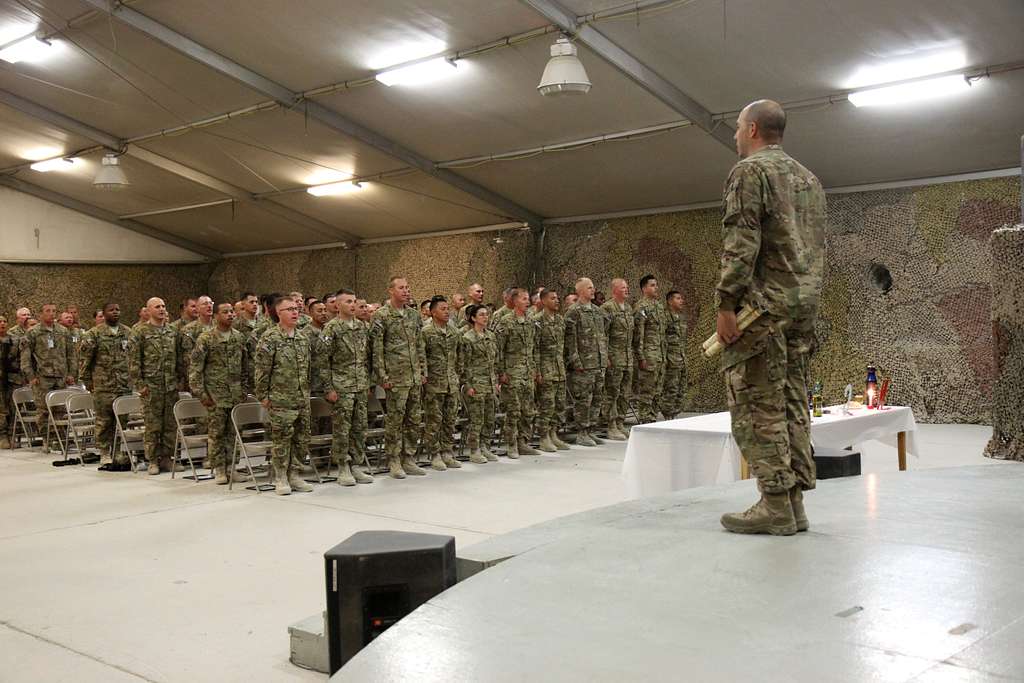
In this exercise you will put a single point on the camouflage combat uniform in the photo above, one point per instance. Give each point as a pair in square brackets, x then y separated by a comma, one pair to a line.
[46, 357]
[248, 330]
[441, 394]
[282, 377]
[496, 316]
[618, 377]
[551, 366]
[773, 257]
[348, 375]
[189, 335]
[517, 360]
[13, 379]
[217, 371]
[396, 338]
[319, 360]
[75, 335]
[103, 368]
[586, 358]
[673, 383]
[153, 364]
[649, 348]
[477, 363]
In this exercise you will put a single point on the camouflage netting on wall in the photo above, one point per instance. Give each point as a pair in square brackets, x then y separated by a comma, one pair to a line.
[444, 265]
[314, 273]
[907, 289]
[89, 286]
[1008, 331]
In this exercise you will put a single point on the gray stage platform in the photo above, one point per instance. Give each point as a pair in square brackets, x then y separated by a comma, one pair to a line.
[903, 576]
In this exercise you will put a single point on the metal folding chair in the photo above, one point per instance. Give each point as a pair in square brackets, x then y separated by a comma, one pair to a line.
[244, 419]
[129, 432]
[26, 413]
[321, 437]
[56, 409]
[81, 415]
[375, 432]
[187, 412]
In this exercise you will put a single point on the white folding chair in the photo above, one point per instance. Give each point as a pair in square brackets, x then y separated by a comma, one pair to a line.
[248, 420]
[26, 416]
[81, 416]
[187, 414]
[129, 432]
[56, 409]
[321, 436]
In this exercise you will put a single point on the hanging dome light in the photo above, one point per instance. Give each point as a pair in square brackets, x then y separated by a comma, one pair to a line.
[110, 175]
[564, 73]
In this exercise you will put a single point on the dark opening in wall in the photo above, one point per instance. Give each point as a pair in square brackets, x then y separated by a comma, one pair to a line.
[880, 277]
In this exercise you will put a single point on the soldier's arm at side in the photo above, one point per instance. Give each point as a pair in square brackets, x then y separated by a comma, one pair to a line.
[741, 235]
[263, 362]
[380, 372]
[197, 371]
[421, 355]
[135, 362]
[572, 355]
[86, 358]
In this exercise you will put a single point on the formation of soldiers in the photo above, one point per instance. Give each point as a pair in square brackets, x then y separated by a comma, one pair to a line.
[540, 359]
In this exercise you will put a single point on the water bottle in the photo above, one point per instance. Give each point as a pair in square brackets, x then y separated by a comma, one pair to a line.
[817, 399]
[871, 388]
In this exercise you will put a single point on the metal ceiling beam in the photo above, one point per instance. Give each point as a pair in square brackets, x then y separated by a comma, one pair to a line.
[159, 161]
[328, 117]
[104, 215]
[636, 70]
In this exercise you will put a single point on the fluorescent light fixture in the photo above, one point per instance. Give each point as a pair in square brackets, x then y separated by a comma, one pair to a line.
[902, 93]
[419, 73]
[564, 73]
[110, 176]
[906, 68]
[405, 52]
[332, 189]
[42, 153]
[29, 49]
[322, 176]
[57, 164]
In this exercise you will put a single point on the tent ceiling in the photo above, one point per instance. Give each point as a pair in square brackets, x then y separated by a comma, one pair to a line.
[119, 80]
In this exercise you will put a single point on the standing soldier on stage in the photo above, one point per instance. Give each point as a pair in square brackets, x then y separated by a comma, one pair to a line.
[67, 321]
[458, 302]
[477, 361]
[319, 352]
[246, 320]
[773, 258]
[586, 358]
[674, 383]
[441, 393]
[400, 369]
[282, 386]
[217, 376]
[620, 350]
[104, 371]
[266, 321]
[46, 362]
[550, 333]
[505, 309]
[143, 318]
[649, 349]
[517, 372]
[474, 297]
[15, 380]
[189, 310]
[347, 383]
[154, 367]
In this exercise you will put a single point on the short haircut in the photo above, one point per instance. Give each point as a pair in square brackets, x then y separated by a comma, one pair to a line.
[672, 293]
[217, 308]
[246, 295]
[345, 292]
[435, 300]
[770, 118]
[645, 279]
[426, 302]
[393, 279]
[512, 292]
[106, 305]
[546, 293]
[312, 301]
[184, 302]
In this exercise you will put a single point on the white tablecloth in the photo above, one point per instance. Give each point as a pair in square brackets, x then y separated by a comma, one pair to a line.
[662, 457]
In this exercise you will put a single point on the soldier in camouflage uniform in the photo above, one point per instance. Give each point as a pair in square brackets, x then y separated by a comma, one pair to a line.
[400, 368]
[319, 355]
[618, 378]
[8, 356]
[154, 368]
[586, 358]
[282, 386]
[46, 361]
[550, 334]
[266, 321]
[455, 316]
[517, 372]
[477, 363]
[649, 349]
[441, 393]
[188, 311]
[673, 383]
[103, 369]
[245, 322]
[474, 297]
[217, 376]
[505, 309]
[143, 318]
[15, 380]
[67, 321]
[190, 333]
[347, 384]
[300, 301]
[773, 258]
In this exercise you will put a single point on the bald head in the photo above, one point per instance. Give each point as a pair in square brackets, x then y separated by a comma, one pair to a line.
[761, 123]
[157, 311]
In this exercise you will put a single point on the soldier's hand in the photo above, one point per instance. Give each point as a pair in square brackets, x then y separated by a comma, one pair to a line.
[578, 369]
[424, 380]
[728, 331]
[35, 381]
[144, 392]
[538, 379]
[265, 403]
[207, 402]
[332, 396]
[386, 386]
[503, 378]
[643, 365]
[69, 381]
[471, 392]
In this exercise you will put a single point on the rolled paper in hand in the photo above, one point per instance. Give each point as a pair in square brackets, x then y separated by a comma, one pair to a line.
[744, 319]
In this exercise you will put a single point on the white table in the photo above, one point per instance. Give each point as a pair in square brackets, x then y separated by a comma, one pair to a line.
[662, 457]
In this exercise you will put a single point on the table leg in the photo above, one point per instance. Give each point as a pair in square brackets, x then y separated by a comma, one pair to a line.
[744, 468]
[901, 450]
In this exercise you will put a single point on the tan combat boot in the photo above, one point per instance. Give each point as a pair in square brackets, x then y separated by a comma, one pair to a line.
[409, 466]
[345, 475]
[476, 457]
[220, 475]
[486, 452]
[298, 483]
[154, 467]
[773, 514]
[448, 458]
[559, 444]
[525, 448]
[613, 432]
[546, 444]
[5, 442]
[395, 468]
[583, 438]
[512, 449]
[281, 485]
[796, 499]
[361, 475]
[437, 463]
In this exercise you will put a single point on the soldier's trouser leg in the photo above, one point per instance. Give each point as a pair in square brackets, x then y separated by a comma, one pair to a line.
[160, 428]
[284, 423]
[622, 409]
[755, 381]
[394, 406]
[614, 378]
[357, 433]
[39, 391]
[439, 422]
[104, 405]
[672, 390]
[527, 408]
[546, 419]
[343, 417]
[449, 413]
[412, 422]
[300, 441]
[587, 396]
[219, 436]
[475, 425]
[798, 416]
[6, 412]
[646, 392]
[511, 403]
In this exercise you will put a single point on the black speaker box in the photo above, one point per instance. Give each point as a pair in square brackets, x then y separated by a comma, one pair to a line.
[834, 462]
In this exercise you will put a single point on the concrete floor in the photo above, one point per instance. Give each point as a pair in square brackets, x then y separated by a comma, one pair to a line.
[119, 577]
